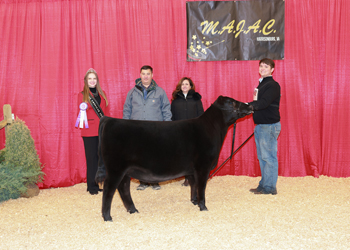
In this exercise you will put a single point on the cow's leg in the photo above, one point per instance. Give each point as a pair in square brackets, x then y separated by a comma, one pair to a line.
[202, 179]
[193, 186]
[109, 187]
[101, 169]
[124, 191]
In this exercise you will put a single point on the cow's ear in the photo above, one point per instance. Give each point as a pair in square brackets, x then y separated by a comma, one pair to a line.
[219, 101]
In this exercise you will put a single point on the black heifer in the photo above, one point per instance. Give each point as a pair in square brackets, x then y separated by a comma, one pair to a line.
[159, 151]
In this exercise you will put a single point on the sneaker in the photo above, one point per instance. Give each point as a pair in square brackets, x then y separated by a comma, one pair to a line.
[155, 186]
[142, 187]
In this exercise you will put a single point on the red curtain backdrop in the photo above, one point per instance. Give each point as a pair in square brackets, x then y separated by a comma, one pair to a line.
[47, 46]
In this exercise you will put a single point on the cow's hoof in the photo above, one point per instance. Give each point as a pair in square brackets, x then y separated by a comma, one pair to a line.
[195, 202]
[132, 211]
[204, 208]
[99, 180]
[100, 176]
[108, 219]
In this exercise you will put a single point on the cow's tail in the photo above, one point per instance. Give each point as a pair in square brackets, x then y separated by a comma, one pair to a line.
[101, 169]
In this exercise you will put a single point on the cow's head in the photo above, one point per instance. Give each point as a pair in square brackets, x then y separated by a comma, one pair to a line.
[232, 109]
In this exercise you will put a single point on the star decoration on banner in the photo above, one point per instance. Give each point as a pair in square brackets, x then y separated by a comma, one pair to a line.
[198, 48]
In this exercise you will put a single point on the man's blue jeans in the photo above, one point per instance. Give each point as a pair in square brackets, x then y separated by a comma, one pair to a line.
[266, 146]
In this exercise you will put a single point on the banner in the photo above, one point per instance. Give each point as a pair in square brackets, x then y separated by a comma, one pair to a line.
[235, 30]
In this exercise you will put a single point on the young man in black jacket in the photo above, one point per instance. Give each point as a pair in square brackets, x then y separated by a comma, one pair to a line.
[267, 119]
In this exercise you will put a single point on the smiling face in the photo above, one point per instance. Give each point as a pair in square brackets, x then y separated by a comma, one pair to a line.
[265, 70]
[146, 77]
[92, 80]
[185, 86]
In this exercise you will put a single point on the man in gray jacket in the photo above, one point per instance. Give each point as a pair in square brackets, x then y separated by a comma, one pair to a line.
[147, 101]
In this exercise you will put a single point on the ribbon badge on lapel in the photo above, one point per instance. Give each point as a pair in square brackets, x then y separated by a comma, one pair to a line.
[82, 117]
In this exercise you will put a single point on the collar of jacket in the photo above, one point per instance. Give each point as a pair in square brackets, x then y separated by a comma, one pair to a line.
[152, 86]
[191, 94]
[266, 78]
[264, 81]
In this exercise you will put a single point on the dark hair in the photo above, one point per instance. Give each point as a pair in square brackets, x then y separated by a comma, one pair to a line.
[268, 61]
[146, 67]
[178, 86]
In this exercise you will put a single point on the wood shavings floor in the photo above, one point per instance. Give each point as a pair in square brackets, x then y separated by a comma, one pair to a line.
[307, 213]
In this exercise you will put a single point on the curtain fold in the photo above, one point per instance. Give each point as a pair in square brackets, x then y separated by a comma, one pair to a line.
[47, 46]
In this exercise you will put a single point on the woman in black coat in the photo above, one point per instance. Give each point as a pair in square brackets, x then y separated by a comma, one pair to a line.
[186, 103]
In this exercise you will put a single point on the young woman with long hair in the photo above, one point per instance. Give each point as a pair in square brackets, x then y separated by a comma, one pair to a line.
[93, 89]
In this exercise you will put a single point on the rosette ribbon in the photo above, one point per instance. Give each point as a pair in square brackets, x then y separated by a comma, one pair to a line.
[82, 117]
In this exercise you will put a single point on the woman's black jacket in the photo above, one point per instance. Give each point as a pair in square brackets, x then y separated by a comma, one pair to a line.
[186, 108]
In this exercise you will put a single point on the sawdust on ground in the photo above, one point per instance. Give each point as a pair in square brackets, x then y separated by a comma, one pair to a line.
[307, 213]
